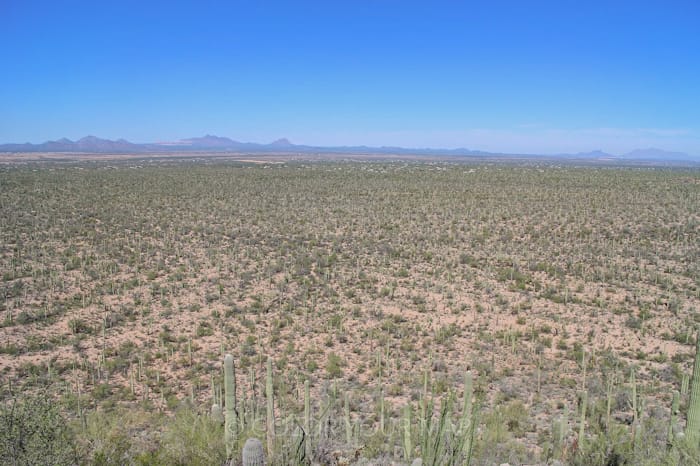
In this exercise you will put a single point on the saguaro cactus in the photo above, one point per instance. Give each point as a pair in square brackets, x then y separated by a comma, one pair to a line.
[407, 443]
[217, 415]
[307, 419]
[559, 432]
[582, 424]
[637, 442]
[270, 409]
[693, 425]
[231, 425]
[465, 440]
[348, 425]
[673, 424]
[253, 453]
[381, 410]
[468, 392]
[633, 384]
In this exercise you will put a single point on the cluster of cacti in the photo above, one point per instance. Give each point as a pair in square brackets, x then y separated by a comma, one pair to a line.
[441, 441]
[675, 433]
[438, 440]
[241, 417]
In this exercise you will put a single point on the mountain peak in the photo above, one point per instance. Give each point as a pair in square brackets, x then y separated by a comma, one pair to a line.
[282, 142]
[89, 138]
[209, 140]
[594, 153]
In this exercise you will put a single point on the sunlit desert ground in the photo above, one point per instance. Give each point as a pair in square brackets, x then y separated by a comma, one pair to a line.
[125, 282]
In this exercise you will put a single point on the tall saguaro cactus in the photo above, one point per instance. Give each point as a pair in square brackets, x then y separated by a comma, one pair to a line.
[231, 425]
[693, 425]
[582, 423]
[407, 444]
[673, 424]
[381, 410]
[348, 425]
[468, 394]
[468, 421]
[270, 409]
[635, 400]
[307, 419]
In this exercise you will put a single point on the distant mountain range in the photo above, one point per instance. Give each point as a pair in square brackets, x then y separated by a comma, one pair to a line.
[210, 143]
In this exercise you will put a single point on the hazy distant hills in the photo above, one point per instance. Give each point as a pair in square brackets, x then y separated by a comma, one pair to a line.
[210, 143]
[650, 154]
[656, 154]
[86, 144]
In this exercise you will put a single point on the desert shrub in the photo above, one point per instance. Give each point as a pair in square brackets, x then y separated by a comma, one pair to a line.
[334, 366]
[25, 317]
[504, 422]
[191, 438]
[33, 431]
[10, 349]
[79, 326]
[118, 437]
[204, 329]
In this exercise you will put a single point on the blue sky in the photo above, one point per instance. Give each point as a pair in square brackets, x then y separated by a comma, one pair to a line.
[514, 76]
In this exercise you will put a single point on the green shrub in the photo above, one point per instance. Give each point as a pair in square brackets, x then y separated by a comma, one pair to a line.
[334, 366]
[33, 432]
[192, 439]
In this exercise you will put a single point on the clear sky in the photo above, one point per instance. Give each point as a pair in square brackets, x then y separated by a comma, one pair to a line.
[513, 76]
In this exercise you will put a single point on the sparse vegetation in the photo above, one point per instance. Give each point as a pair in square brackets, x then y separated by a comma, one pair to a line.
[571, 294]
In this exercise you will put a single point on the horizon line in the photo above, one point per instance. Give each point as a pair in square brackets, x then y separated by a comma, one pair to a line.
[286, 142]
